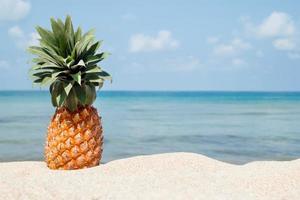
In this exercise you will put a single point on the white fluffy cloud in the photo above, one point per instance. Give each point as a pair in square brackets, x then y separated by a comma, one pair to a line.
[276, 24]
[163, 41]
[232, 48]
[284, 44]
[279, 27]
[16, 32]
[12, 10]
[33, 39]
[229, 52]
[21, 39]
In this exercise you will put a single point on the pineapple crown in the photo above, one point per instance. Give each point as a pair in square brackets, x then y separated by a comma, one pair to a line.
[67, 61]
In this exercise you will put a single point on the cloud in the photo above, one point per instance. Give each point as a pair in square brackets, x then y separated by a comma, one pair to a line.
[21, 39]
[16, 32]
[163, 41]
[279, 27]
[276, 24]
[234, 47]
[33, 39]
[285, 44]
[229, 52]
[13, 10]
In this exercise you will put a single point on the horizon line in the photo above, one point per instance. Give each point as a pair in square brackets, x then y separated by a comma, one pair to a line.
[44, 90]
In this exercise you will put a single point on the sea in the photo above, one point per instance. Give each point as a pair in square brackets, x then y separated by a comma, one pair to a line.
[235, 127]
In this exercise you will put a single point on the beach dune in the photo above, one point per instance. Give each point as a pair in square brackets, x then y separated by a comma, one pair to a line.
[162, 176]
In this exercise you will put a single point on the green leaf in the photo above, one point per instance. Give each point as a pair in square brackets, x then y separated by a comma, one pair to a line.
[90, 94]
[81, 63]
[80, 93]
[78, 34]
[68, 88]
[98, 80]
[34, 68]
[69, 34]
[54, 68]
[78, 65]
[69, 58]
[38, 60]
[42, 74]
[56, 28]
[46, 36]
[54, 90]
[71, 101]
[77, 77]
[60, 99]
[61, 24]
[47, 81]
[93, 70]
[91, 76]
[88, 34]
[61, 95]
[98, 83]
[47, 39]
[59, 33]
[84, 42]
[96, 75]
[105, 76]
[59, 73]
[100, 86]
[39, 80]
[92, 49]
[46, 54]
[94, 59]
[69, 26]
[52, 95]
[52, 47]
[70, 61]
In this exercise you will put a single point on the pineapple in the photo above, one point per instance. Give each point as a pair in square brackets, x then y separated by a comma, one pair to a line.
[66, 60]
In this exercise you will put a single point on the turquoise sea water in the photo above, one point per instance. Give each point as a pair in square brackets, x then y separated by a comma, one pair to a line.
[236, 127]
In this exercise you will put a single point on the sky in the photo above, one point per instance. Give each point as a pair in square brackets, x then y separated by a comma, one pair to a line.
[248, 45]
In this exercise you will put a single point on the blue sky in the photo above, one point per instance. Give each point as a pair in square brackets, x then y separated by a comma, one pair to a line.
[168, 45]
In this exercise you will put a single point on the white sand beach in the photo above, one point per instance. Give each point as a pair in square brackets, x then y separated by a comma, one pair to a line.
[162, 176]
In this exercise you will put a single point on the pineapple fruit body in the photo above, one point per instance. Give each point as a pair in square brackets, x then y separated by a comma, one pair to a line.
[67, 60]
[74, 139]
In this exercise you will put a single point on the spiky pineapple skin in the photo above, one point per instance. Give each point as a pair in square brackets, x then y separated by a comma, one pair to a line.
[74, 139]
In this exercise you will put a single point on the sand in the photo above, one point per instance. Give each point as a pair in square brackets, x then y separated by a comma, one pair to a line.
[162, 176]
